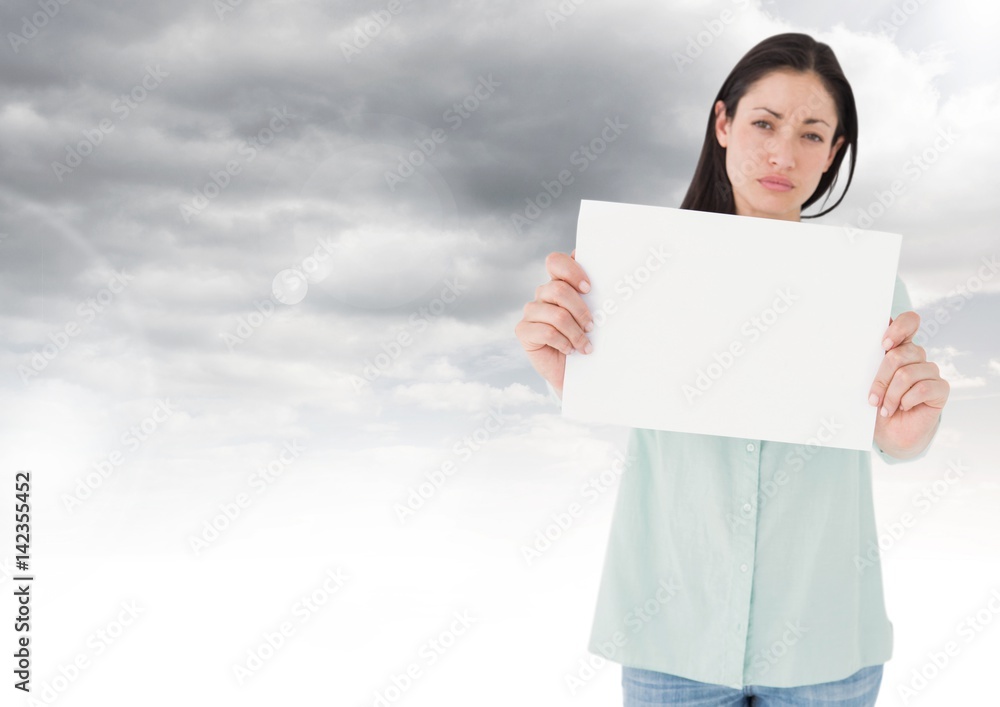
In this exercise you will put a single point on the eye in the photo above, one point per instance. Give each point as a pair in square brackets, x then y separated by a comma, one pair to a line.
[762, 123]
[814, 137]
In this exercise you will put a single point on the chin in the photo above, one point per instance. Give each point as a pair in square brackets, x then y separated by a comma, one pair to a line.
[773, 207]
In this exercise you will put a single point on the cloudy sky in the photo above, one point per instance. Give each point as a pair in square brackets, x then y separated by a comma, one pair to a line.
[248, 236]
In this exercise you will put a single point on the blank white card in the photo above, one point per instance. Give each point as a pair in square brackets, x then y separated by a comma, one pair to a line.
[731, 325]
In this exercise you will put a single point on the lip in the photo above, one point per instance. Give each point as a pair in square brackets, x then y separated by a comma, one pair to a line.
[775, 183]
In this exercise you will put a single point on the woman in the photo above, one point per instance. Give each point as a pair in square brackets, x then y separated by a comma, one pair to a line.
[740, 568]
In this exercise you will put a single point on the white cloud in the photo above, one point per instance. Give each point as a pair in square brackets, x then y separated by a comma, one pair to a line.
[324, 177]
[944, 358]
[466, 396]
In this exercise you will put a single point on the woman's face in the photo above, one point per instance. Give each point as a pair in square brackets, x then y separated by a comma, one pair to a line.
[778, 143]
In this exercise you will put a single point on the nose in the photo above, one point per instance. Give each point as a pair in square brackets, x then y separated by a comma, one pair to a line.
[780, 149]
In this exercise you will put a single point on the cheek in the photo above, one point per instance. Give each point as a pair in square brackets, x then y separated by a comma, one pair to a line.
[743, 157]
[733, 159]
[816, 160]
[756, 145]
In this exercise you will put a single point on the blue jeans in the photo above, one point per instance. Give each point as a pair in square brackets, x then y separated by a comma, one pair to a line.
[645, 688]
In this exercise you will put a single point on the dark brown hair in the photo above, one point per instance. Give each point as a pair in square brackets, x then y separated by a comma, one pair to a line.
[710, 188]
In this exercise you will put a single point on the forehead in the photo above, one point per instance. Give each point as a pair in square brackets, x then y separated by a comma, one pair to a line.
[791, 93]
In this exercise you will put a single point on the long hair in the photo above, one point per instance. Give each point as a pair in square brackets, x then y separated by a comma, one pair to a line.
[710, 188]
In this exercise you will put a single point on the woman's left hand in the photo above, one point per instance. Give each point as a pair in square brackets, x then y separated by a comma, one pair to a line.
[908, 391]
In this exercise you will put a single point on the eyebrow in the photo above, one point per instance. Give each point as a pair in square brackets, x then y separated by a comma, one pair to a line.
[807, 121]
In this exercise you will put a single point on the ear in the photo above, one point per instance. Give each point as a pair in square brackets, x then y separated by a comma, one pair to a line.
[722, 124]
[833, 153]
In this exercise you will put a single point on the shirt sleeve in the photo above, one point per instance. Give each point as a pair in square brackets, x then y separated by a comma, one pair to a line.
[901, 303]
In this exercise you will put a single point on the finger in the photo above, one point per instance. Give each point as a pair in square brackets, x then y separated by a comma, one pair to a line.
[563, 267]
[539, 334]
[906, 379]
[901, 355]
[561, 293]
[901, 329]
[560, 319]
[933, 392]
[573, 254]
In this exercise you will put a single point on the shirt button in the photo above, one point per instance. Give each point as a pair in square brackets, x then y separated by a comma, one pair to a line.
[750, 447]
[743, 567]
[747, 507]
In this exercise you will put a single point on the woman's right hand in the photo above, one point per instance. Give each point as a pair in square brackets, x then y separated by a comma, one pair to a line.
[556, 321]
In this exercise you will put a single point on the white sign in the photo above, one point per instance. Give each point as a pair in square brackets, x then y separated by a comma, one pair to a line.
[730, 325]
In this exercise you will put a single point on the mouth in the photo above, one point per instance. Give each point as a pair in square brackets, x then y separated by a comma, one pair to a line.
[775, 183]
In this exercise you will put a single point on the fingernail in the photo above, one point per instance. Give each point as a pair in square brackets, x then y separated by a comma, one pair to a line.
[588, 348]
[584, 286]
[589, 326]
[887, 343]
[885, 413]
[873, 399]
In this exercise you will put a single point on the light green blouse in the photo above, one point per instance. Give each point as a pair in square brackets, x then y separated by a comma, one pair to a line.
[744, 561]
